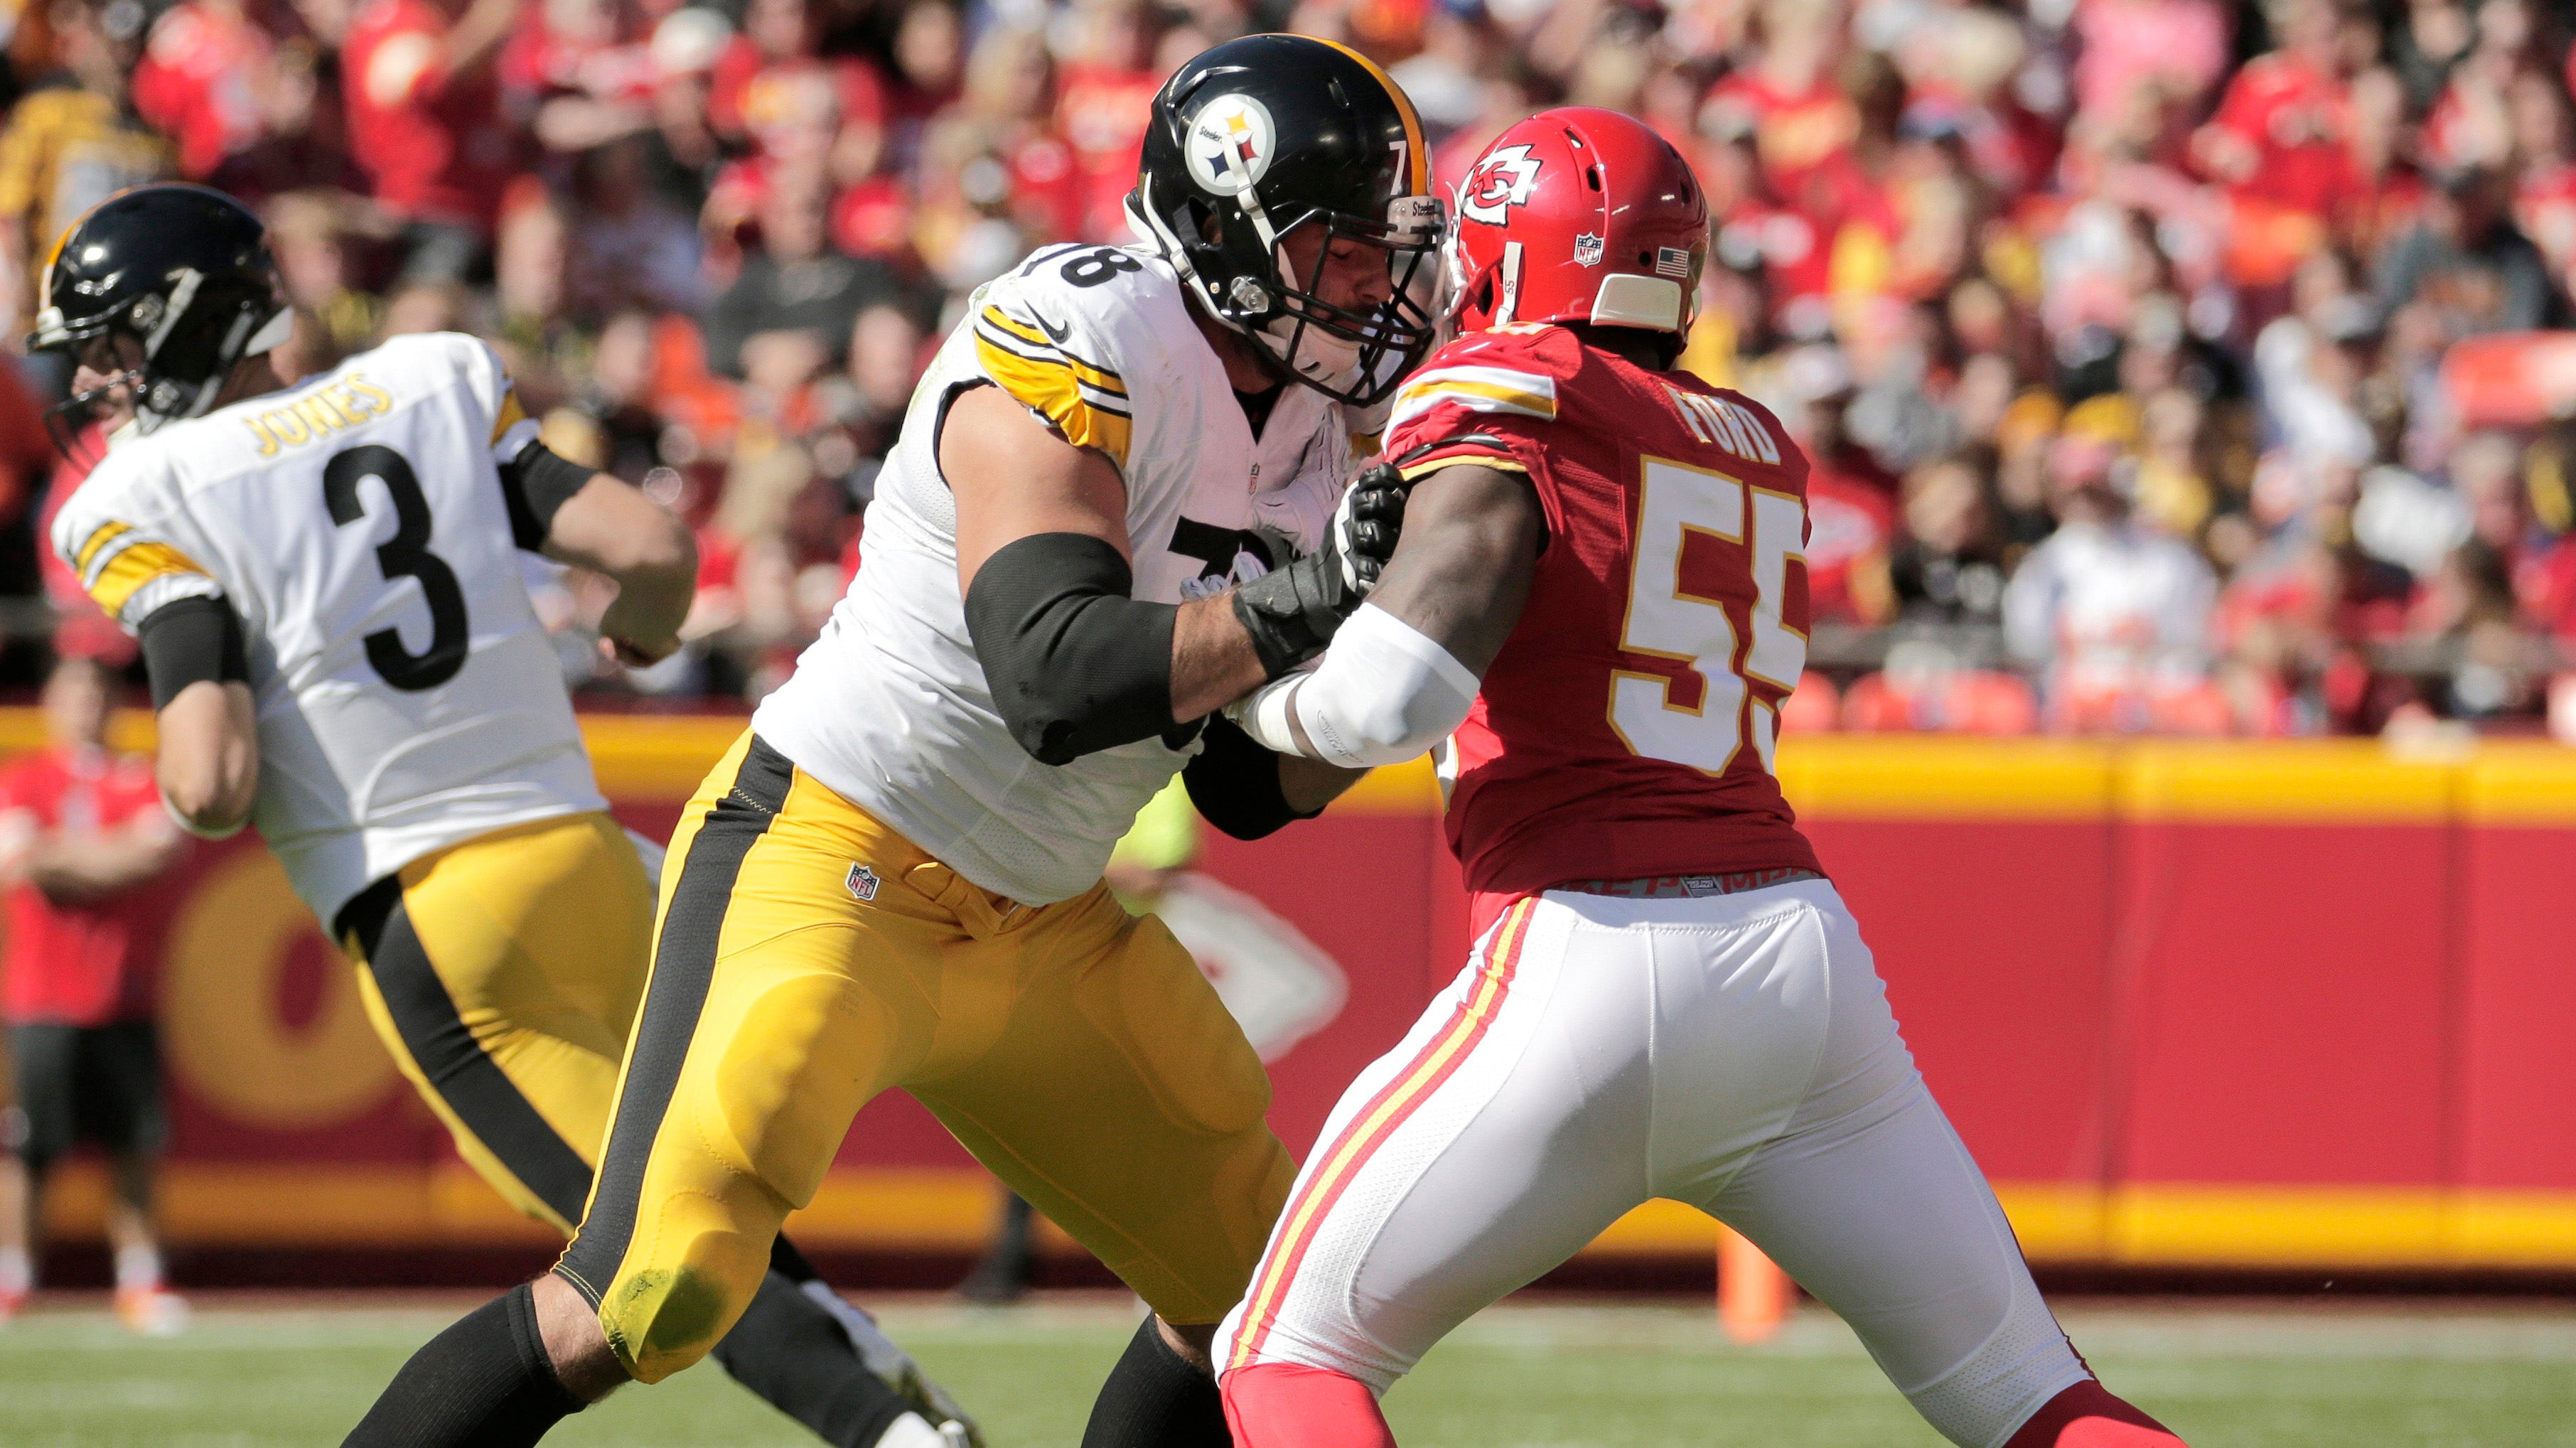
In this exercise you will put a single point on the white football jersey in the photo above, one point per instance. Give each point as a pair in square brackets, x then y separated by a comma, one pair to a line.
[407, 697]
[890, 706]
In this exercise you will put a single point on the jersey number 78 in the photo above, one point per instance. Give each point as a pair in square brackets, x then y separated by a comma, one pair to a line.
[1663, 621]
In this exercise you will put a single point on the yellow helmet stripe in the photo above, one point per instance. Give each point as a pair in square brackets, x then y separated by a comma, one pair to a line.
[1417, 155]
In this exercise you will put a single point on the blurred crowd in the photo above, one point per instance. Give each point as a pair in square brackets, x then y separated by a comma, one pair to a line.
[2132, 339]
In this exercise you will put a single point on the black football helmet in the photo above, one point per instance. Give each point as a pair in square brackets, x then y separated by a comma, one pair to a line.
[1261, 136]
[184, 272]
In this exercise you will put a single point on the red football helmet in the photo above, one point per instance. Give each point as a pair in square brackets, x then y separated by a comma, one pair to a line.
[1578, 215]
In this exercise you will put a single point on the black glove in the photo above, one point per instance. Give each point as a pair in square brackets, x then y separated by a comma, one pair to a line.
[1291, 612]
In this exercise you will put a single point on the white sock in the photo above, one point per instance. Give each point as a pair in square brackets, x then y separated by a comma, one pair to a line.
[913, 1431]
[138, 1269]
[17, 1274]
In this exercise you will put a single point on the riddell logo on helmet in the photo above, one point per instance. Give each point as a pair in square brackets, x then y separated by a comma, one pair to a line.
[1231, 144]
[1504, 179]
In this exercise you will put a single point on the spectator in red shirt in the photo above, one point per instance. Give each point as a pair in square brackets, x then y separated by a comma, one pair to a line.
[203, 73]
[425, 124]
[2279, 131]
[82, 834]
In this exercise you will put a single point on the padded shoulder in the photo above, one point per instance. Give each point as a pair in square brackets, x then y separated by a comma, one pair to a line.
[1077, 333]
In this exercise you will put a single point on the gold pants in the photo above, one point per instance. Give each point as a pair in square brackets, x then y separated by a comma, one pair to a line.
[807, 958]
[503, 974]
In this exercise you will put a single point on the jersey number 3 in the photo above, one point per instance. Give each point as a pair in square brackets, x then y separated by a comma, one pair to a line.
[405, 555]
[1667, 623]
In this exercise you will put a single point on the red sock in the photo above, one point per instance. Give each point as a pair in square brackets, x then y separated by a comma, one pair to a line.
[2087, 1416]
[1283, 1405]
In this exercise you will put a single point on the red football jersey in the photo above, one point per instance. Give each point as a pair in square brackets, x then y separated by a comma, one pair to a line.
[76, 965]
[1626, 728]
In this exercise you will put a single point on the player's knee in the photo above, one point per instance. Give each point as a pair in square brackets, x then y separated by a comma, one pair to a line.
[1287, 1405]
[2023, 1364]
[1195, 1344]
[575, 1346]
[659, 1320]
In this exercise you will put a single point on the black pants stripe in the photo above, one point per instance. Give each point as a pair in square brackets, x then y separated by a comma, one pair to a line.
[464, 1076]
[684, 962]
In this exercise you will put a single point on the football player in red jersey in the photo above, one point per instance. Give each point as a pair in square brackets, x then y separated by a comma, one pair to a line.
[1600, 590]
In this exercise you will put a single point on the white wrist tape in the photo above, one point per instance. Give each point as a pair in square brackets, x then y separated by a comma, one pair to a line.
[1382, 694]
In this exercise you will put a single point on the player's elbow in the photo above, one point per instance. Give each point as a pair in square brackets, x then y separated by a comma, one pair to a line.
[1075, 666]
[208, 761]
[211, 798]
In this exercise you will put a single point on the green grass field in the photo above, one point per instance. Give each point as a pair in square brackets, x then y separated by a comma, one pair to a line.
[1539, 1375]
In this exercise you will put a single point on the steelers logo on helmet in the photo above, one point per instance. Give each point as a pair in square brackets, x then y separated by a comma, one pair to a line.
[1231, 143]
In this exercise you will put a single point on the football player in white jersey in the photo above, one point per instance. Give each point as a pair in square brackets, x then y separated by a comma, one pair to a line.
[1118, 503]
[325, 580]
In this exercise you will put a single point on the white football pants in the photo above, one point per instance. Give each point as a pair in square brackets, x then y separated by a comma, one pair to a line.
[1735, 1053]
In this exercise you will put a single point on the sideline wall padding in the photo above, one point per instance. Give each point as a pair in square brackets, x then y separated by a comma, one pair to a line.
[2297, 1004]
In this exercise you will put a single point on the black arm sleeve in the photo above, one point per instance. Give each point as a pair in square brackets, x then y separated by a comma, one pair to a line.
[536, 484]
[1076, 665]
[190, 640]
[1235, 784]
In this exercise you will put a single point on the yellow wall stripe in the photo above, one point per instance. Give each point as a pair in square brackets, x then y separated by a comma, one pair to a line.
[948, 1209]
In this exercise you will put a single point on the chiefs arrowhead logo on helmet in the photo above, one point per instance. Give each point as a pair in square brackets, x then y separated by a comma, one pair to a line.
[1502, 179]
[1578, 215]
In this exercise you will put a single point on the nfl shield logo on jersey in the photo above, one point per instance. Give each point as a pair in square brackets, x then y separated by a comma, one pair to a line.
[863, 882]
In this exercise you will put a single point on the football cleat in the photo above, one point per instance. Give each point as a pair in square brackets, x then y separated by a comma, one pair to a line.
[879, 1354]
[151, 1311]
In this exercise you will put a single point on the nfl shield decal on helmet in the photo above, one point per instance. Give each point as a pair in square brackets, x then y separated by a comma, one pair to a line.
[863, 882]
[1587, 249]
[1231, 144]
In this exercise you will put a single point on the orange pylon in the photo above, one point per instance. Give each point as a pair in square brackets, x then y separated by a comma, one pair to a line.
[1753, 1296]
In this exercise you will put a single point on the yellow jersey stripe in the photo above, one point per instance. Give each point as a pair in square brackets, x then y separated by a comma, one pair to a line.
[510, 415]
[1536, 404]
[1054, 390]
[1477, 459]
[1100, 377]
[133, 568]
[106, 533]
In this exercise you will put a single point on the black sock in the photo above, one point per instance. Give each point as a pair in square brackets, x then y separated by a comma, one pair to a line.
[1155, 1399]
[787, 1348]
[483, 1383]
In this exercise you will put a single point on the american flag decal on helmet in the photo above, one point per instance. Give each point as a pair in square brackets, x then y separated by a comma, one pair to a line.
[1671, 261]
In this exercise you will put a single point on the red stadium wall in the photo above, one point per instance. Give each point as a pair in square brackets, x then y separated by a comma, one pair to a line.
[2294, 1005]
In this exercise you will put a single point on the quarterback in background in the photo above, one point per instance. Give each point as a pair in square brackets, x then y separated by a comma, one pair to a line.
[325, 578]
[1600, 589]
